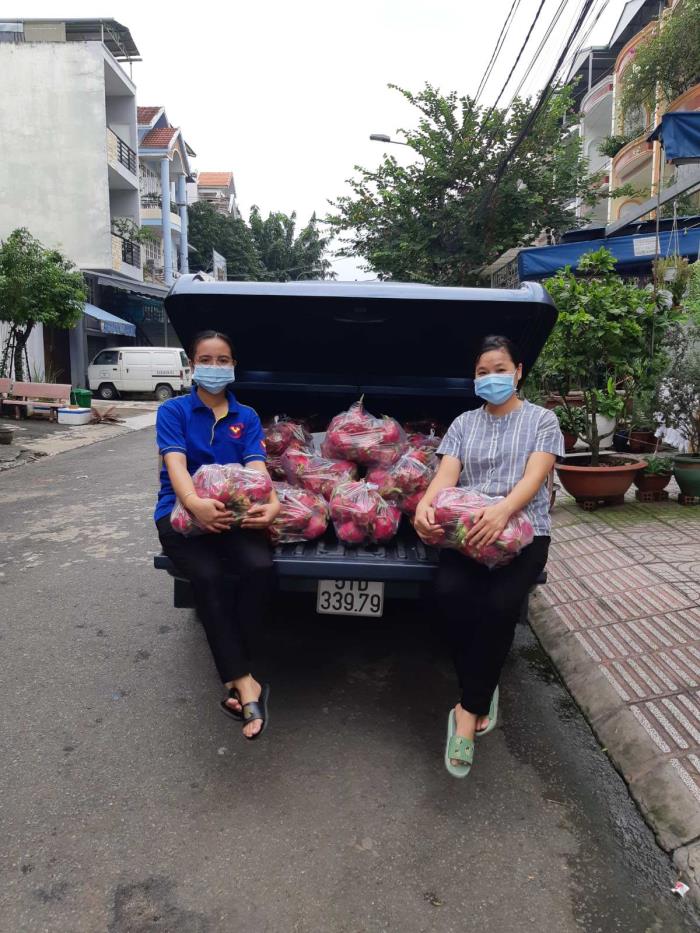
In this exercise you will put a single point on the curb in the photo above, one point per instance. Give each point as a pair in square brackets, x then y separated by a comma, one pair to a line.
[657, 788]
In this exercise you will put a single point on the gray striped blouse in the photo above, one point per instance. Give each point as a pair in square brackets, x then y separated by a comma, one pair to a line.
[494, 451]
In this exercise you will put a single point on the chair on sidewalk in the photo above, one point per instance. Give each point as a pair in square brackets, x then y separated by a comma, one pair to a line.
[40, 394]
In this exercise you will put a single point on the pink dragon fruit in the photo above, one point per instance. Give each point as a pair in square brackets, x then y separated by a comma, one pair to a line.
[236, 486]
[317, 474]
[405, 481]
[303, 515]
[361, 516]
[457, 511]
[358, 436]
[285, 433]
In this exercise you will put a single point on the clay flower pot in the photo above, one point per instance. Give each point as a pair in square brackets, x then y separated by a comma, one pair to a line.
[569, 441]
[652, 482]
[6, 434]
[641, 442]
[606, 483]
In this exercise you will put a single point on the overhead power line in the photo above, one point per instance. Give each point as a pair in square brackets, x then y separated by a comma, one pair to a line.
[545, 39]
[497, 48]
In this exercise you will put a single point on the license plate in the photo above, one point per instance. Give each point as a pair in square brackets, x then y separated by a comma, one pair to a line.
[350, 598]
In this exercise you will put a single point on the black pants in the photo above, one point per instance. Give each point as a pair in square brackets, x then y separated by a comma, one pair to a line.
[230, 619]
[480, 608]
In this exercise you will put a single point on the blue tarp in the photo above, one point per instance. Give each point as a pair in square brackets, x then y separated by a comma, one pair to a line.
[679, 133]
[633, 253]
[110, 323]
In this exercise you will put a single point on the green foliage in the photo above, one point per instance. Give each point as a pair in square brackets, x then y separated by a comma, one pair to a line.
[270, 249]
[37, 286]
[288, 255]
[657, 466]
[128, 230]
[645, 406]
[692, 297]
[442, 218]
[611, 145]
[602, 340]
[679, 399]
[673, 274]
[572, 419]
[669, 61]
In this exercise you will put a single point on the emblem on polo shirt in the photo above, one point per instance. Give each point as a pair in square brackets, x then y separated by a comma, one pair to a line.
[236, 430]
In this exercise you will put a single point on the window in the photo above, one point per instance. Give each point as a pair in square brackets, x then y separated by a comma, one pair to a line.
[106, 358]
[183, 359]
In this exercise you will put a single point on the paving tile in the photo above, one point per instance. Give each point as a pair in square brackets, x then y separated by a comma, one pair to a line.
[676, 720]
[590, 545]
[671, 573]
[647, 601]
[584, 613]
[587, 564]
[618, 580]
[688, 768]
[564, 591]
[557, 570]
[574, 532]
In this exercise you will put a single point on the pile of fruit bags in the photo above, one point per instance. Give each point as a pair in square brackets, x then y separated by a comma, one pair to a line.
[236, 486]
[456, 512]
[407, 480]
[317, 474]
[282, 435]
[358, 436]
[361, 516]
[303, 515]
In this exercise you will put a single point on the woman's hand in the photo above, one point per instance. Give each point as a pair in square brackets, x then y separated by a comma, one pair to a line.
[489, 525]
[261, 516]
[424, 523]
[212, 515]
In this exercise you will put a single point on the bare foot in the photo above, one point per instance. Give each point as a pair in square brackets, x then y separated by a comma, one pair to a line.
[233, 703]
[249, 691]
[481, 723]
[465, 725]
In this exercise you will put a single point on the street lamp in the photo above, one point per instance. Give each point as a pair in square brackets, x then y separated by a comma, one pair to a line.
[383, 138]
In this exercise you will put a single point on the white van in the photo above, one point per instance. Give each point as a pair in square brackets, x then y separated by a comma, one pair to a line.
[163, 371]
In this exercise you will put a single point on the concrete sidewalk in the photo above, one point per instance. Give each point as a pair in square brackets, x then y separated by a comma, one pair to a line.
[620, 618]
[37, 437]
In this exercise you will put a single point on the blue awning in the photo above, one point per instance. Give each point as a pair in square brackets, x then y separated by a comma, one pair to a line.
[109, 323]
[679, 133]
[633, 253]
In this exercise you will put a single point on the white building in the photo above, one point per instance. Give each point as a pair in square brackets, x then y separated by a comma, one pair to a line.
[69, 169]
[218, 189]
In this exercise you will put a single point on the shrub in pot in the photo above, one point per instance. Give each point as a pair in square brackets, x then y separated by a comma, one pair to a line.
[603, 338]
[572, 422]
[679, 404]
[655, 476]
[642, 437]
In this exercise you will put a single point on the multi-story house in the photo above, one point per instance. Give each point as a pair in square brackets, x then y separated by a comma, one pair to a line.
[164, 172]
[217, 189]
[637, 164]
[69, 169]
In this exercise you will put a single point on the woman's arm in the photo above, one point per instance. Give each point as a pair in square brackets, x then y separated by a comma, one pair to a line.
[446, 476]
[261, 516]
[212, 515]
[494, 518]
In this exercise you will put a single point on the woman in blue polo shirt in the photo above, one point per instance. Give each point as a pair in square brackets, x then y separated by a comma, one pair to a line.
[211, 426]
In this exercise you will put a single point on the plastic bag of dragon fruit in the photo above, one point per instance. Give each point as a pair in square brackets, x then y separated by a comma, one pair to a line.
[281, 435]
[317, 474]
[303, 515]
[236, 486]
[358, 436]
[361, 516]
[406, 481]
[456, 512]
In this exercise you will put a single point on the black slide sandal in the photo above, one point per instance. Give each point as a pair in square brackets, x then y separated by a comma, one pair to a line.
[257, 710]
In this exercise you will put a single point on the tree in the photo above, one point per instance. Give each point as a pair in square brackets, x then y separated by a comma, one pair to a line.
[444, 217]
[609, 334]
[230, 236]
[284, 253]
[37, 286]
[668, 64]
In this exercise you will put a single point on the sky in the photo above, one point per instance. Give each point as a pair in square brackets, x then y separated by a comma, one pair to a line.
[286, 94]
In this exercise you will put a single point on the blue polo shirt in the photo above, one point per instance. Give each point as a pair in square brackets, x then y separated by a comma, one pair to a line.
[185, 424]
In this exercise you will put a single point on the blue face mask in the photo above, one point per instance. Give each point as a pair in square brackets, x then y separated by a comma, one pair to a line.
[213, 378]
[495, 388]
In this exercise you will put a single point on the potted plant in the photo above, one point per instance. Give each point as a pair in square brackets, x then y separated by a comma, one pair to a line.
[679, 403]
[572, 422]
[655, 476]
[642, 437]
[603, 338]
[6, 434]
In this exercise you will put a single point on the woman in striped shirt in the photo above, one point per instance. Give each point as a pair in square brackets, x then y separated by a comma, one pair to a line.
[504, 449]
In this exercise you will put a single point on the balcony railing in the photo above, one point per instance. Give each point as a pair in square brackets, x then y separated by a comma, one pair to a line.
[119, 151]
[155, 200]
[130, 251]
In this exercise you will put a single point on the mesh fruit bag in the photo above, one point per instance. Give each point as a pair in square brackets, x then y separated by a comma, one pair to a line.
[358, 436]
[406, 481]
[236, 486]
[303, 515]
[317, 474]
[361, 516]
[456, 511]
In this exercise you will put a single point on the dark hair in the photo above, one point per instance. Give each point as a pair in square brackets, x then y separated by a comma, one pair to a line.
[496, 342]
[210, 335]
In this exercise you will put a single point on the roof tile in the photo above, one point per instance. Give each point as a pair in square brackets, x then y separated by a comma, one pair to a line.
[159, 138]
[214, 179]
[144, 115]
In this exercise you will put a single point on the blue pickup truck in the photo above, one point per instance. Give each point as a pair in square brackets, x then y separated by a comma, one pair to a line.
[310, 349]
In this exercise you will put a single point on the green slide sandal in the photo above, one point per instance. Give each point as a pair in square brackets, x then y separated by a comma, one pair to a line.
[459, 748]
[493, 715]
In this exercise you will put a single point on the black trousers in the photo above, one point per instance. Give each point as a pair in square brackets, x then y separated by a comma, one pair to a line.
[480, 608]
[230, 618]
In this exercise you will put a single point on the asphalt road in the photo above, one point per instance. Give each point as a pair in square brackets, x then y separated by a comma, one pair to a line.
[130, 804]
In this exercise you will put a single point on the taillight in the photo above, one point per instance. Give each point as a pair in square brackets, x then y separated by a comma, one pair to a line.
[182, 375]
